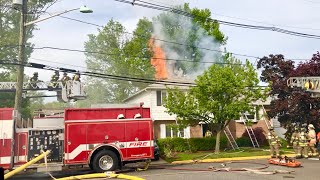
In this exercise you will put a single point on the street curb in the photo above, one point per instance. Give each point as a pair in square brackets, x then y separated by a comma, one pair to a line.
[225, 159]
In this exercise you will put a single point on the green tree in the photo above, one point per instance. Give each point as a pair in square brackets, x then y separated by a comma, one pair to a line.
[7, 98]
[221, 94]
[120, 55]
[10, 24]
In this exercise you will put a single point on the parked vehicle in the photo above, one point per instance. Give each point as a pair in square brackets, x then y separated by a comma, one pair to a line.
[94, 137]
[156, 151]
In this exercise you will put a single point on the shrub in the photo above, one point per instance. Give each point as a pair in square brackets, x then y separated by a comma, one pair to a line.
[192, 144]
[244, 142]
[258, 132]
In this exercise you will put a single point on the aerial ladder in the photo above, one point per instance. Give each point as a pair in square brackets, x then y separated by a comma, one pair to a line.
[310, 84]
[66, 91]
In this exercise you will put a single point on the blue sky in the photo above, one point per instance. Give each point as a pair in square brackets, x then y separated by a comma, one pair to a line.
[63, 33]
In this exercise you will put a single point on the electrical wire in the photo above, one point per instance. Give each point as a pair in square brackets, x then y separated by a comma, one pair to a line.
[117, 55]
[249, 20]
[157, 39]
[101, 75]
[228, 23]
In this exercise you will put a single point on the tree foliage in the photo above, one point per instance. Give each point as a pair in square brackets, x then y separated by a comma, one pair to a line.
[7, 98]
[10, 27]
[120, 55]
[221, 94]
[291, 104]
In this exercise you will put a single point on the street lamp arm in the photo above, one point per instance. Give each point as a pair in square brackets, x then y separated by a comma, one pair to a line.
[51, 16]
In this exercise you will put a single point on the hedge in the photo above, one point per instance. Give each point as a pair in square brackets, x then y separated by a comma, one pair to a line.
[244, 142]
[192, 144]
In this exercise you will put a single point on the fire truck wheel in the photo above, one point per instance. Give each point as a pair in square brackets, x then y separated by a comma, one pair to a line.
[105, 160]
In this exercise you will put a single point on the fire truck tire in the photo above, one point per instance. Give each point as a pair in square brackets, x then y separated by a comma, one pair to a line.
[105, 160]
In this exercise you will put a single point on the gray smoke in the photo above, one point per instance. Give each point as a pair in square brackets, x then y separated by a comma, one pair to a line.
[181, 29]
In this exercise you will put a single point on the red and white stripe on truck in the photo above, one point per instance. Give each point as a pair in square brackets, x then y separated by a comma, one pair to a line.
[6, 136]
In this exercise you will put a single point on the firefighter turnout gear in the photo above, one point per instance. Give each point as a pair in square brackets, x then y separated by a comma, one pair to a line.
[303, 143]
[295, 141]
[34, 80]
[208, 134]
[274, 143]
[54, 80]
[65, 78]
[312, 140]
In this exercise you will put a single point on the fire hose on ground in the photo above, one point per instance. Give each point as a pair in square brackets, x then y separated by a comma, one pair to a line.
[21, 168]
[101, 175]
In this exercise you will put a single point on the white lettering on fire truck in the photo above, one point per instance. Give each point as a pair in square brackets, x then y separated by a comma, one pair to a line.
[138, 144]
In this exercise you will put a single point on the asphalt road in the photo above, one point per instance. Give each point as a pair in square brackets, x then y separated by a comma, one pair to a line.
[309, 171]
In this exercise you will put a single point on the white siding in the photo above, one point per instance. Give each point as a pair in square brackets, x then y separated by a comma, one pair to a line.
[149, 97]
[159, 112]
[162, 131]
[144, 97]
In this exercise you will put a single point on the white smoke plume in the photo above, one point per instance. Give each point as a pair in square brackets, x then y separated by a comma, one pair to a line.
[182, 27]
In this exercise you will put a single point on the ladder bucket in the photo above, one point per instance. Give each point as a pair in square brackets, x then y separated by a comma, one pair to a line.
[76, 91]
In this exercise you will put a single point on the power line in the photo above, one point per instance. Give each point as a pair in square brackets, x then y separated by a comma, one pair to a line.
[112, 54]
[162, 40]
[249, 20]
[102, 75]
[148, 58]
[99, 75]
[171, 42]
[228, 23]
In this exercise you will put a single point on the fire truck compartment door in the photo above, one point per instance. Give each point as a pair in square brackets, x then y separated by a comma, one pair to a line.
[21, 147]
[77, 148]
[139, 141]
[5, 142]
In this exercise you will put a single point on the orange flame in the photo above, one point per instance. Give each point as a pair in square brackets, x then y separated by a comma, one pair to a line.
[158, 60]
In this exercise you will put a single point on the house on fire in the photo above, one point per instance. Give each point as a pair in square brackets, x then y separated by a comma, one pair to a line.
[153, 96]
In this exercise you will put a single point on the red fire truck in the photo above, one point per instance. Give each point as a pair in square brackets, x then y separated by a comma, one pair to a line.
[103, 138]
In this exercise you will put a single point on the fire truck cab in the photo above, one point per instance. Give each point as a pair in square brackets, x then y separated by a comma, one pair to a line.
[94, 136]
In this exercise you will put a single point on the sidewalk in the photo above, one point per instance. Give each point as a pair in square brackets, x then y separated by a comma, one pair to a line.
[226, 159]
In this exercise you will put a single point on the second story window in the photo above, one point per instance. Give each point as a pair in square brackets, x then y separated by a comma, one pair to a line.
[161, 95]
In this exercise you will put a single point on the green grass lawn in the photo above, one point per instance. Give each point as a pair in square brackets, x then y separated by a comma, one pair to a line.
[243, 152]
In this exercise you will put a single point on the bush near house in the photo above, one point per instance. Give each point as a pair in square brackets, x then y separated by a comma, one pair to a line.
[193, 144]
[244, 142]
[259, 133]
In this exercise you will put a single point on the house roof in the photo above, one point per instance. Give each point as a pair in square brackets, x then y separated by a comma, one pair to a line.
[163, 86]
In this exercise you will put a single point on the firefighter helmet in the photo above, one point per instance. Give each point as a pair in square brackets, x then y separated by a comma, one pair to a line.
[35, 73]
[120, 116]
[311, 126]
[137, 116]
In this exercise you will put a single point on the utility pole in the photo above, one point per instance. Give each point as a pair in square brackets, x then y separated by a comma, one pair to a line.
[21, 58]
[20, 73]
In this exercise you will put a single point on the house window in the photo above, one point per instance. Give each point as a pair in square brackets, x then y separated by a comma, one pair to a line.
[167, 131]
[161, 95]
